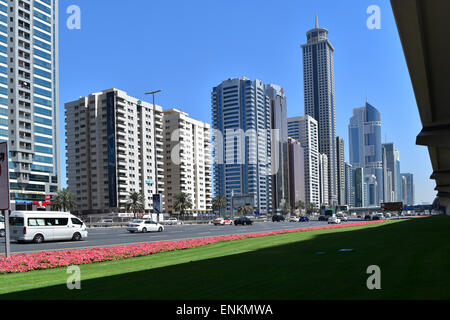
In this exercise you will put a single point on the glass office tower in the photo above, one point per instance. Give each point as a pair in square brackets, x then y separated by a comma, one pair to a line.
[29, 99]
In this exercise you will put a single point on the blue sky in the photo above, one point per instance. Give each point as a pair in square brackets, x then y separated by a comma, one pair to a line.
[188, 47]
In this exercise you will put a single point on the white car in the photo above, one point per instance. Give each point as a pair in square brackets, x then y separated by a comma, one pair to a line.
[2, 226]
[294, 219]
[144, 226]
[334, 220]
[223, 221]
[40, 226]
[172, 221]
[342, 217]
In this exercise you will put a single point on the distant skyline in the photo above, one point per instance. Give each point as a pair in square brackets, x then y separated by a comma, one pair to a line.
[187, 48]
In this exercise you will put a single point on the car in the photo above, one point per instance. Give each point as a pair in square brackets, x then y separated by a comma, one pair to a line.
[107, 221]
[367, 217]
[278, 218]
[377, 217]
[144, 226]
[323, 218]
[40, 226]
[304, 219]
[342, 217]
[243, 221]
[387, 215]
[223, 221]
[334, 220]
[173, 221]
[2, 227]
[294, 219]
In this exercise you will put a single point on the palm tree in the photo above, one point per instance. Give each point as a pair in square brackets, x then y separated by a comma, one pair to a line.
[311, 207]
[136, 203]
[64, 200]
[300, 205]
[245, 210]
[182, 202]
[219, 203]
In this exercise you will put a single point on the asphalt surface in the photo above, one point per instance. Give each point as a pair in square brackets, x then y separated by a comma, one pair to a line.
[105, 237]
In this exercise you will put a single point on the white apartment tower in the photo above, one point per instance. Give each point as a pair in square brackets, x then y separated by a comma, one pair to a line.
[114, 148]
[187, 160]
[318, 68]
[305, 129]
[29, 105]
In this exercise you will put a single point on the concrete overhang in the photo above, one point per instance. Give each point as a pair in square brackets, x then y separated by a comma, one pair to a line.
[424, 29]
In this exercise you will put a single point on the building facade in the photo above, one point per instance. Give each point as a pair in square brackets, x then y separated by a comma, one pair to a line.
[319, 88]
[280, 156]
[296, 172]
[29, 100]
[187, 161]
[114, 147]
[409, 185]
[391, 172]
[324, 172]
[305, 129]
[358, 187]
[340, 158]
[349, 186]
[365, 149]
[242, 139]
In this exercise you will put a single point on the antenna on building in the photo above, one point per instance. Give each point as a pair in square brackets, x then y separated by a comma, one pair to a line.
[317, 21]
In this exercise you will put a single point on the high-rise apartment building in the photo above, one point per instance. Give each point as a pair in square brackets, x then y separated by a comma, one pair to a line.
[187, 160]
[349, 187]
[358, 187]
[391, 172]
[29, 99]
[280, 160]
[305, 129]
[365, 149]
[114, 148]
[340, 158]
[324, 172]
[242, 141]
[318, 68]
[296, 172]
[409, 184]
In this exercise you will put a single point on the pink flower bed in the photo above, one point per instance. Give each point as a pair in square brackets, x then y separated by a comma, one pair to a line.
[56, 259]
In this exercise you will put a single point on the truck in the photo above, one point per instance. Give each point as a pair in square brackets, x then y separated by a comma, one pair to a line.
[330, 212]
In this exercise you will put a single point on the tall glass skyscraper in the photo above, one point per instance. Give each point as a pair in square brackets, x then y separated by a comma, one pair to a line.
[242, 141]
[366, 152]
[409, 188]
[29, 99]
[318, 69]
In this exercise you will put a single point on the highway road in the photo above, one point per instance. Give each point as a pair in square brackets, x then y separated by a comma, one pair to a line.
[104, 237]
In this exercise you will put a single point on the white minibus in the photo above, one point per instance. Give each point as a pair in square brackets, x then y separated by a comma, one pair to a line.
[40, 226]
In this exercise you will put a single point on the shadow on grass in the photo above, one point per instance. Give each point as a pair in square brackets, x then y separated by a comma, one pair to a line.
[414, 257]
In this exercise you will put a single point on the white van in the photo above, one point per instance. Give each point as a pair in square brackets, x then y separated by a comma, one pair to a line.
[40, 226]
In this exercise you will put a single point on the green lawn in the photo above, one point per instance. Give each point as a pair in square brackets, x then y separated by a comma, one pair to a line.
[414, 257]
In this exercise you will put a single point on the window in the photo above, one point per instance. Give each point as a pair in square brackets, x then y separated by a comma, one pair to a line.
[76, 221]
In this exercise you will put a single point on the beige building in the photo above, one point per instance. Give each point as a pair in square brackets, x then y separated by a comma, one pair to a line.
[187, 162]
[114, 147]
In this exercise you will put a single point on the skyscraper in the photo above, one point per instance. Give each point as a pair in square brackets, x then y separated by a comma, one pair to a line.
[296, 172]
[318, 69]
[340, 158]
[409, 184]
[391, 171]
[349, 187]
[241, 129]
[358, 187]
[29, 99]
[305, 130]
[365, 150]
[280, 178]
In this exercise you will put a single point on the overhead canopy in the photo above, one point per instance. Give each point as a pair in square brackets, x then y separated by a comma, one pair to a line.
[424, 29]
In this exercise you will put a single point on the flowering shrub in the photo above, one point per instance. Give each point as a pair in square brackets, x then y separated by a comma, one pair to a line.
[50, 260]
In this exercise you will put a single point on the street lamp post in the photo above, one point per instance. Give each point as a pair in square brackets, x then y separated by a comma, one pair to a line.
[154, 146]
